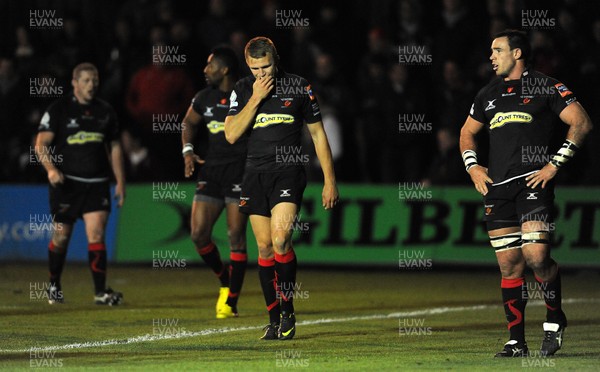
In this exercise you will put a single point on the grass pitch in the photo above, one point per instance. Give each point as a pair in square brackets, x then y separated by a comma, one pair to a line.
[348, 320]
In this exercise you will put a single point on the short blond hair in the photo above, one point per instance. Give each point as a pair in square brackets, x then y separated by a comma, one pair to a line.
[85, 66]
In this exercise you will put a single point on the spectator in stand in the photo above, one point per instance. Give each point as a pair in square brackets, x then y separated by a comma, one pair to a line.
[160, 89]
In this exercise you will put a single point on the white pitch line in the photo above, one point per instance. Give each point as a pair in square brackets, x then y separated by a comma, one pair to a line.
[212, 331]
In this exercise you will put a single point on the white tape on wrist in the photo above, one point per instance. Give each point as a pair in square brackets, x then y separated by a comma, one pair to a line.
[469, 158]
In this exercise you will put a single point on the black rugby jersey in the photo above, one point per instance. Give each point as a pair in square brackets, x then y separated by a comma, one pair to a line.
[81, 136]
[277, 128]
[519, 116]
[213, 105]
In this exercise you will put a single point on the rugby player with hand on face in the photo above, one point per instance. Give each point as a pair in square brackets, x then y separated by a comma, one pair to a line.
[272, 106]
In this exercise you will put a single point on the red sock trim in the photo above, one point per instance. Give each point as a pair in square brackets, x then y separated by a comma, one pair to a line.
[233, 295]
[512, 283]
[285, 258]
[51, 246]
[266, 262]
[270, 307]
[236, 256]
[94, 247]
[518, 314]
[206, 250]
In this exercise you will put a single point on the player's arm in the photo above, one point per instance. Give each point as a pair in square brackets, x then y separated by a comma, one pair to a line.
[319, 137]
[580, 124]
[116, 160]
[42, 143]
[468, 150]
[190, 122]
[236, 125]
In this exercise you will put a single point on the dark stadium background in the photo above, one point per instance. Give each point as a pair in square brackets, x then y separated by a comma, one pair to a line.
[349, 53]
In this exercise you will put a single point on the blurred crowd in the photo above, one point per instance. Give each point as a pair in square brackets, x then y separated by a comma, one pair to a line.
[395, 78]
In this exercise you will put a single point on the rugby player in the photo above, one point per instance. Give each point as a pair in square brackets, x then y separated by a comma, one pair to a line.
[219, 179]
[82, 134]
[273, 105]
[518, 110]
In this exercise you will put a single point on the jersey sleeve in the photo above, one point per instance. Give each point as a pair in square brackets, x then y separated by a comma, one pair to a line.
[50, 120]
[310, 107]
[238, 99]
[197, 102]
[477, 110]
[561, 97]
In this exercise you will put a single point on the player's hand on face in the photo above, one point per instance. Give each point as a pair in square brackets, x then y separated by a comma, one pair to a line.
[542, 176]
[480, 178]
[262, 86]
[120, 194]
[190, 163]
[55, 177]
[330, 196]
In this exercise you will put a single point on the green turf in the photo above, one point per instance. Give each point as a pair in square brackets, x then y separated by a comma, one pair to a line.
[171, 301]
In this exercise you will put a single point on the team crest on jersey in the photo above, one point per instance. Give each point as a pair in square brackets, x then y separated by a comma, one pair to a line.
[287, 102]
[73, 123]
[509, 92]
[503, 118]
[208, 111]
